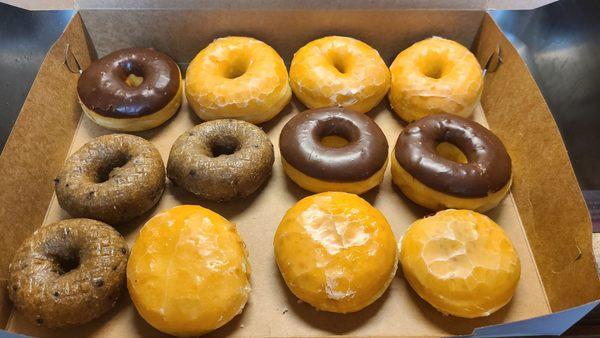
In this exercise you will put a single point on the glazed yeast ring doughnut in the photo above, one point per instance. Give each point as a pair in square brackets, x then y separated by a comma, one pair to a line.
[475, 174]
[237, 77]
[337, 71]
[221, 160]
[435, 76]
[333, 149]
[68, 273]
[336, 252]
[113, 178]
[131, 89]
[461, 262]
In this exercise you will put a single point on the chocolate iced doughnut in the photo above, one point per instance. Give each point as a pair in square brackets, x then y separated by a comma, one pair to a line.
[333, 149]
[131, 89]
[474, 174]
[68, 273]
[221, 159]
[113, 178]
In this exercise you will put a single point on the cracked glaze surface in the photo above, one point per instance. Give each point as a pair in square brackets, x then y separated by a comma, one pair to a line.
[188, 272]
[338, 71]
[336, 252]
[461, 262]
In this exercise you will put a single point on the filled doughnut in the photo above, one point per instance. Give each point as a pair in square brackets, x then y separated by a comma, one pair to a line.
[237, 77]
[445, 161]
[113, 178]
[131, 89]
[435, 76]
[221, 160]
[188, 272]
[333, 149]
[336, 252]
[460, 262]
[337, 71]
[68, 273]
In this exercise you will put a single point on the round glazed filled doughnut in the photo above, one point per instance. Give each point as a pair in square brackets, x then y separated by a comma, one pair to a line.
[188, 273]
[336, 252]
[445, 161]
[237, 77]
[113, 178]
[131, 89]
[337, 71]
[333, 149]
[221, 160]
[460, 262]
[435, 76]
[68, 273]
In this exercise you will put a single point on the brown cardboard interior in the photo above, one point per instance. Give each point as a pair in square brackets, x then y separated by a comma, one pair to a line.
[44, 133]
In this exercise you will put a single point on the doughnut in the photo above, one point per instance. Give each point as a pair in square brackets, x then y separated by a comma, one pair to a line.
[338, 71]
[113, 178]
[333, 149]
[68, 273]
[240, 78]
[336, 252]
[435, 76]
[460, 262]
[131, 89]
[221, 160]
[188, 272]
[445, 161]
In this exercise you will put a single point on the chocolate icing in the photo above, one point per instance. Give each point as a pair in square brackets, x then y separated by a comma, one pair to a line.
[488, 168]
[102, 87]
[364, 155]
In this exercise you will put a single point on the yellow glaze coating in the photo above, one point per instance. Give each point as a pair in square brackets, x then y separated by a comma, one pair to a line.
[137, 123]
[435, 76]
[461, 262]
[240, 78]
[435, 200]
[339, 71]
[188, 272]
[336, 252]
[316, 185]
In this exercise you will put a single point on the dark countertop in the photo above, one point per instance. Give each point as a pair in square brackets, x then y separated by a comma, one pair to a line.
[560, 43]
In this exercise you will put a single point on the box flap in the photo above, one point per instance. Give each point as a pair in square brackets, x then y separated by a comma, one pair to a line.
[543, 180]
[275, 4]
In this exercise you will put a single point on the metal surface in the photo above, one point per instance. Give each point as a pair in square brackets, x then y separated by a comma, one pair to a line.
[25, 37]
[561, 45]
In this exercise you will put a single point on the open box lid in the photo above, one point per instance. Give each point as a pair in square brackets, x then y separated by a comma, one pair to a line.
[274, 4]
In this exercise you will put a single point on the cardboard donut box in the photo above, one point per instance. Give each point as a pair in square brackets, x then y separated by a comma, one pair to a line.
[545, 215]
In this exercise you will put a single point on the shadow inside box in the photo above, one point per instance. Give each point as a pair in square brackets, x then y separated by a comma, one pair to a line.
[336, 323]
[227, 209]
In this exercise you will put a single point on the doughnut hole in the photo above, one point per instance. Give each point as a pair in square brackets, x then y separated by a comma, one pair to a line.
[67, 261]
[133, 80]
[340, 60]
[131, 73]
[451, 152]
[110, 168]
[236, 67]
[337, 133]
[434, 65]
[224, 145]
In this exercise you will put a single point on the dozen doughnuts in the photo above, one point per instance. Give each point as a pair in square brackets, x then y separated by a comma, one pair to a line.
[188, 272]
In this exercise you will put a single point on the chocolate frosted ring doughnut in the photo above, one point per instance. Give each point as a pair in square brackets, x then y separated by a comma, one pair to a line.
[333, 149]
[68, 273]
[221, 160]
[131, 89]
[445, 161]
[112, 178]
